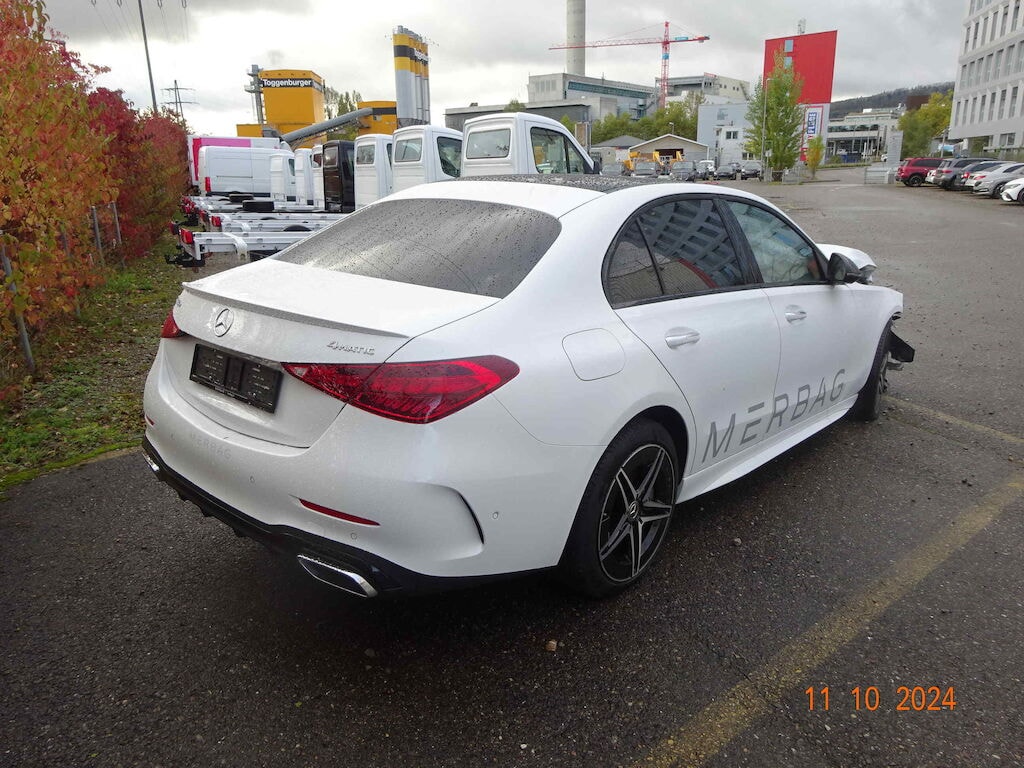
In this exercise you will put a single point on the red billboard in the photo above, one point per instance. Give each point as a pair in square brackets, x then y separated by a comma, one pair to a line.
[814, 59]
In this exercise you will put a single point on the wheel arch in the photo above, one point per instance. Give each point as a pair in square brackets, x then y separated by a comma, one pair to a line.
[671, 420]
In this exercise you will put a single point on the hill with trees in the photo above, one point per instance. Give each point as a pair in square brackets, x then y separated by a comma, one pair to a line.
[885, 99]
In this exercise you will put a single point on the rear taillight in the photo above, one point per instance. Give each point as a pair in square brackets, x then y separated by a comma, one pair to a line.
[418, 393]
[215, 222]
[186, 236]
[171, 329]
[206, 184]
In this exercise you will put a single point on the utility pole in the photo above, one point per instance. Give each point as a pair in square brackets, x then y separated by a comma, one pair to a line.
[149, 68]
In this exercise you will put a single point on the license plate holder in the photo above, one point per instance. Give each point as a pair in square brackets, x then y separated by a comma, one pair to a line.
[252, 382]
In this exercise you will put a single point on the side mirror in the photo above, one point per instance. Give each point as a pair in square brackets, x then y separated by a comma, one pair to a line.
[842, 270]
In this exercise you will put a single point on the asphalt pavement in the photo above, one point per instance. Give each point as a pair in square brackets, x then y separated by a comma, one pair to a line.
[880, 567]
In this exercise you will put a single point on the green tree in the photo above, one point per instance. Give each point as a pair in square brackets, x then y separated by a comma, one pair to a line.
[612, 126]
[776, 118]
[815, 154]
[515, 105]
[337, 103]
[568, 123]
[679, 117]
[923, 125]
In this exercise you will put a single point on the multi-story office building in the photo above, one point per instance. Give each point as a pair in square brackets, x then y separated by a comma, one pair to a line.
[988, 101]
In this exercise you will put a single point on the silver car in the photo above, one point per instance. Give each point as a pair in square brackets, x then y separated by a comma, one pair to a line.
[992, 181]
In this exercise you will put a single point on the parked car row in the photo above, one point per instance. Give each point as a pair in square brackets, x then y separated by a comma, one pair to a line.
[680, 170]
[979, 175]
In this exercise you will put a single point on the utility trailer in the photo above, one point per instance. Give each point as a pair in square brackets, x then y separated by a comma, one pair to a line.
[260, 222]
[195, 247]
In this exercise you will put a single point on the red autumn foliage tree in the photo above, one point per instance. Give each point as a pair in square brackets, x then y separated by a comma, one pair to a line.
[147, 160]
[53, 168]
[65, 149]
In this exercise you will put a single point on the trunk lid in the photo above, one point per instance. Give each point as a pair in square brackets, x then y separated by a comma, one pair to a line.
[272, 312]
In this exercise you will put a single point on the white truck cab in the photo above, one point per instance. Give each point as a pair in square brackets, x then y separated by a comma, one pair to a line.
[520, 142]
[425, 153]
[373, 173]
[317, 172]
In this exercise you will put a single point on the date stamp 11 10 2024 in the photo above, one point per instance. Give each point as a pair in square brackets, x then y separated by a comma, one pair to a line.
[905, 698]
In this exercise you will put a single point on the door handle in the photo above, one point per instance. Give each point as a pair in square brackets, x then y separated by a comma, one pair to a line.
[677, 337]
[793, 314]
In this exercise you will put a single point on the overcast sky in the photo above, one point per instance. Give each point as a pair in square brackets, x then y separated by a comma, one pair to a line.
[483, 51]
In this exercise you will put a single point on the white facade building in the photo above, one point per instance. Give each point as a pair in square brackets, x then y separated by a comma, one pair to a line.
[723, 128]
[988, 100]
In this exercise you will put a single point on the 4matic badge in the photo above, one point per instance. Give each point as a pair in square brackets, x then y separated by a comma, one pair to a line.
[339, 347]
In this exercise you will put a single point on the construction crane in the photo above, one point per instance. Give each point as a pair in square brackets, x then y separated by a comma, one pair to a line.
[665, 40]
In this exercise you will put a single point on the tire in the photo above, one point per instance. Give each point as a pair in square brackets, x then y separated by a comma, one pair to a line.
[868, 406]
[258, 206]
[625, 512]
[997, 190]
[296, 228]
[914, 181]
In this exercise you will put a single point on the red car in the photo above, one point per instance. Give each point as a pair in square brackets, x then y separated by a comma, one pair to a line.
[913, 170]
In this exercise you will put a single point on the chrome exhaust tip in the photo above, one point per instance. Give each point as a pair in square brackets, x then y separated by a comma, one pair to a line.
[337, 577]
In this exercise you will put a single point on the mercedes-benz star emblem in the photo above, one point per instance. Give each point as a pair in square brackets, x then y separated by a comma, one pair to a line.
[223, 322]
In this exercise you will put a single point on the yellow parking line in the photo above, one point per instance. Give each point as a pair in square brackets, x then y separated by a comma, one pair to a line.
[732, 713]
[981, 428]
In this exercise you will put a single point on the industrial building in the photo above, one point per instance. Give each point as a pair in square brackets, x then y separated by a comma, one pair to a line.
[988, 98]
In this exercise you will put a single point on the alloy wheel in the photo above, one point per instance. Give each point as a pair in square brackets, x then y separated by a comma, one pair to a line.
[636, 512]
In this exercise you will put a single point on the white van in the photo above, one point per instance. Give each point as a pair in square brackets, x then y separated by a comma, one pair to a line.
[373, 175]
[425, 153]
[227, 170]
[197, 142]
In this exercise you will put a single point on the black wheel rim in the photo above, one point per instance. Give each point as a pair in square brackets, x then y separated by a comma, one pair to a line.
[636, 513]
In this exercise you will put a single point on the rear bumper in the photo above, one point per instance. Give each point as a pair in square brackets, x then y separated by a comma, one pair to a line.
[348, 568]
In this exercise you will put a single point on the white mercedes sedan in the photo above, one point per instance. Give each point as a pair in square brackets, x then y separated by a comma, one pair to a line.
[480, 378]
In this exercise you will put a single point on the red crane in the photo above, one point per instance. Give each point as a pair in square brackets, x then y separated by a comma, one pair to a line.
[666, 40]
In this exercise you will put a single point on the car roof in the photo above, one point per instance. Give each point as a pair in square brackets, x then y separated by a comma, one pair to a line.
[557, 194]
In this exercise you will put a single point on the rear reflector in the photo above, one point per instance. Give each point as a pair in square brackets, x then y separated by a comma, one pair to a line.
[335, 513]
[206, 184]
[418, 393]
[171, 329]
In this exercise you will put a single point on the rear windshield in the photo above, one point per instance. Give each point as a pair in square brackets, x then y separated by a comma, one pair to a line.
[458, 245]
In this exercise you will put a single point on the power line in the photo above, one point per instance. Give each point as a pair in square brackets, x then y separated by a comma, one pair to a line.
[100, 15]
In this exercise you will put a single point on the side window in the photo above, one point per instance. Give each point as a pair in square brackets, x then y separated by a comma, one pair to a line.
[408, 150]
[631, 276]
[691, 247]
[364, 155]
[548, 150]
[576, 162]
[449, 151]
[781, 253]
